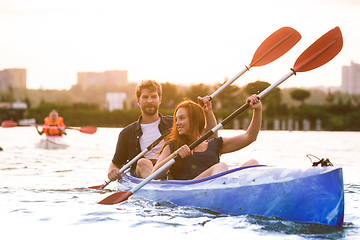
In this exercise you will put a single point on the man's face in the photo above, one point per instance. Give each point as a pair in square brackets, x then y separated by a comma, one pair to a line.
[149, 102]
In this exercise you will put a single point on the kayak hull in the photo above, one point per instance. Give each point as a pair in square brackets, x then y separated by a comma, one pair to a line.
[309, 195]
[52, 142]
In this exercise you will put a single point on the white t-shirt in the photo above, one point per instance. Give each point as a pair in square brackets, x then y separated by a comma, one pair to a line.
[151, 132]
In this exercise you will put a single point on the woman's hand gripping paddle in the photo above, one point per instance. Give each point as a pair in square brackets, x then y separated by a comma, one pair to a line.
[319, 53]
[273, 47]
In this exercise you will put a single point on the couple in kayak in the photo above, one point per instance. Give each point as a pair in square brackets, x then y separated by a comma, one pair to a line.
[189, 122]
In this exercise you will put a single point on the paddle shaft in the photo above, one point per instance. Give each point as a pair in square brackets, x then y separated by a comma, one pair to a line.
[50, 127]
[14, 124]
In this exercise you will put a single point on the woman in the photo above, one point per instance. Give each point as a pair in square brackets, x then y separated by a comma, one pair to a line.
[203, 161]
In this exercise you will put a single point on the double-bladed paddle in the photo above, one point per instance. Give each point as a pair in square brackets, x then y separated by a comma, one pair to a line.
[273, 47]
[86, 129]
[319, 53]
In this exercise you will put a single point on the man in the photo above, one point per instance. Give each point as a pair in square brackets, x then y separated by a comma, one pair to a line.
[53, 125]
[149, 127]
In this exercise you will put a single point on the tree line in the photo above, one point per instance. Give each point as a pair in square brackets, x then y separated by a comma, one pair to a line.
[336, 111]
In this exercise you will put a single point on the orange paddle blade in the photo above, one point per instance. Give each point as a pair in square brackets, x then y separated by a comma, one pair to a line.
[97, 187]
[117, 197]
[276, 45]
[88, 129]
[320, 52]
[8, 124]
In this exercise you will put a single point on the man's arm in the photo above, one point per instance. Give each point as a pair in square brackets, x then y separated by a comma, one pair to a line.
[121, 155]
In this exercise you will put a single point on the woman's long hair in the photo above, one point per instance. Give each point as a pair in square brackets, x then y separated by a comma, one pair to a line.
[197, 122]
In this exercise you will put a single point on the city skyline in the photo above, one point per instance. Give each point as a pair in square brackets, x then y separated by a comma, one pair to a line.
[190, 42]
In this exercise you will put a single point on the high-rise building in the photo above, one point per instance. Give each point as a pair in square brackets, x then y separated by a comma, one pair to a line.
[14, 77]
[350, 79]
[113, 78]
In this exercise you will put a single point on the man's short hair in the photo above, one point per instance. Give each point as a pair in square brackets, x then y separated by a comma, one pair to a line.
[151, 85]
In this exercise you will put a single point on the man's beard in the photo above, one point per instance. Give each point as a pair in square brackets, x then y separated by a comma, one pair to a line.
[150, 112]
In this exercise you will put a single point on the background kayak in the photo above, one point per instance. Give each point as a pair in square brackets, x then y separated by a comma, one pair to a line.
[52, 142]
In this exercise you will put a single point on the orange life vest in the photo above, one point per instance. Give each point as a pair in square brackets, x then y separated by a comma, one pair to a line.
[59, 122]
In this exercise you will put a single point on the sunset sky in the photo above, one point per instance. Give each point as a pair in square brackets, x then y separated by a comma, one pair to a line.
[182, 42]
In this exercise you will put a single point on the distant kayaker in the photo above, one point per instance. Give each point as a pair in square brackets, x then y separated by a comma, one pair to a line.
[137, 136]
[53, 125]
[204, 160]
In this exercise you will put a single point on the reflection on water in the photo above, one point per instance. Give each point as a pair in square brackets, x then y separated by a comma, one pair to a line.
[43, 193]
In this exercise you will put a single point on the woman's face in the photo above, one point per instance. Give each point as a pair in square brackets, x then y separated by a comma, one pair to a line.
[182, 121]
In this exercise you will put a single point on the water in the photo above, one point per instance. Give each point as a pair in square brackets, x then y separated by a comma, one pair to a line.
[44, 194]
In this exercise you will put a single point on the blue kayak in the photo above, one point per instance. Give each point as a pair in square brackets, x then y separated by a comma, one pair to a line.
[307, 195]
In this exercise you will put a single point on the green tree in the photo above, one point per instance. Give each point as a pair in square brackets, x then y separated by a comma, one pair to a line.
[197, 90]
[329, 98]
[300, 95]
[27, 101]
[256, 87]
[8, 96]
[170, 96]
[230, 97]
